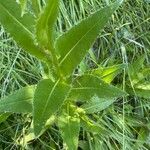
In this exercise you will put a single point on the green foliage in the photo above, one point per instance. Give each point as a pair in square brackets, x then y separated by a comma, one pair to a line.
[19, 101]
[87, 86]
[80, 38]
[48, 98]
[138, 74]
[108, 73]
[69, 124]
[45, 24]
[97, 104]
[51, 95]
[20, 28]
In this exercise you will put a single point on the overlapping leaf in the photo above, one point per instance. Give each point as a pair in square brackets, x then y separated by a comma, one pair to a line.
[49, 97]
[87, 86]
[19, 102]
[46, 22]
[108, 73]
[97, 104]
[20, 28]
[74, 44]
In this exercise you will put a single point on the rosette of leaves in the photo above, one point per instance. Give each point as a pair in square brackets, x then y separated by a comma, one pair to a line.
[60, 93]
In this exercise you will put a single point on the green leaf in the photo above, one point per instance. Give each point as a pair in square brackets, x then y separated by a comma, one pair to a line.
[20, 28]
[49, 97]
[97, 104]
[108, 73]
[87, 86]
[69, 125]
[18, 102]
[73, 45]
[46, 22]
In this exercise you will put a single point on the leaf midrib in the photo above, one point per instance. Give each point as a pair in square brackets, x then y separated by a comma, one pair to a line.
[49, 14]
[43, 112]
[12, 103]
[14, 18]
[65, 57]
[86, 88]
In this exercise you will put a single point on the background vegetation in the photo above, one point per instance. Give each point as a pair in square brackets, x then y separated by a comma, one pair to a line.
[125, 40]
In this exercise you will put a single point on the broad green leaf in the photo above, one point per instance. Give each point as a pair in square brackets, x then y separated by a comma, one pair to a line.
[87, 86]
[46, 22]
[108, 73]
[97, 104]
[73, 45]
[69, 125]
[49, 97]
[20, 28]
[18, 102]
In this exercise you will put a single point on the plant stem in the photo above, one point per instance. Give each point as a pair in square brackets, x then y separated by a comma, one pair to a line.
[55, 61]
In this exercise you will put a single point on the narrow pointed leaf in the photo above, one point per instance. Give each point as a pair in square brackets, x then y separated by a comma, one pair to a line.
[73, 45]
[18, 102]
[97, 104]
[46, 22]
[20, 28]
[87, 86]
[108, 73]
[49, 97]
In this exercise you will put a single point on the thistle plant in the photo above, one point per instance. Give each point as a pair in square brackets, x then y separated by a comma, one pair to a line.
[62, 95]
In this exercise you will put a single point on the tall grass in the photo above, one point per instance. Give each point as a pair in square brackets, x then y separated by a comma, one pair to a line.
[126, 124]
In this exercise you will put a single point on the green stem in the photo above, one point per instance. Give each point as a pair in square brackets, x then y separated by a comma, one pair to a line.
[55, 62]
